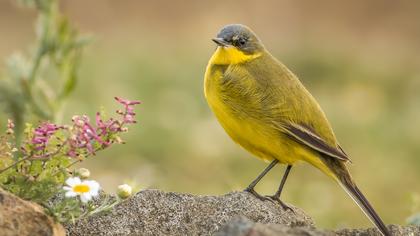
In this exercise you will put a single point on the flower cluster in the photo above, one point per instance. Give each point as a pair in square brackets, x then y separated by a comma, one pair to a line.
[84, 137]
[81, 139]
[87, 138]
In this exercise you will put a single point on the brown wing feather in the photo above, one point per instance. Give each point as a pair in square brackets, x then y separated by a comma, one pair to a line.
[312, 140]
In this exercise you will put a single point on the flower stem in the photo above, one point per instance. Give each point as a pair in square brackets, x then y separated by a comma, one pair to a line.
[15, 164]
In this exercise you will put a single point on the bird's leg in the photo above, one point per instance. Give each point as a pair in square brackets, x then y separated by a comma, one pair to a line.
[250, 188]
[276, 196]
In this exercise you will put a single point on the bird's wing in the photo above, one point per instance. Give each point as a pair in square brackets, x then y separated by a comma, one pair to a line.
[310, 139]
[280, 98]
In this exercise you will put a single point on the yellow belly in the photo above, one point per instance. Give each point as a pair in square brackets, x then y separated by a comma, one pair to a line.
[256, 137]
[262, 141]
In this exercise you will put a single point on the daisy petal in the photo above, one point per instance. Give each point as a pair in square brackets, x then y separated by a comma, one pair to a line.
[67, 188]
[70, 194]
[85, 197]
[94, 192]
[73, 181]
[94, 187]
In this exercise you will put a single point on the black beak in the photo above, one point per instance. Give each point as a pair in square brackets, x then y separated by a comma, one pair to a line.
[220, 42]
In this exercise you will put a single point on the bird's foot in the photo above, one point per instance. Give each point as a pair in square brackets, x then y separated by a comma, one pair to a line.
[277, 199]
[257, 195]
[273, 198]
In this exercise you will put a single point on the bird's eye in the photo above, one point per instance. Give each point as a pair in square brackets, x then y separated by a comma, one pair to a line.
[241, 42]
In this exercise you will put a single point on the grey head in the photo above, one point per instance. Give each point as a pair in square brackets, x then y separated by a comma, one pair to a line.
[239, 36]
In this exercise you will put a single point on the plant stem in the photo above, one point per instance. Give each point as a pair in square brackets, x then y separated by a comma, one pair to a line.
[37, 60]
[15, 164]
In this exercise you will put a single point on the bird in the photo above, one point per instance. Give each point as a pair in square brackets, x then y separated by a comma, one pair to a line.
[266, 109]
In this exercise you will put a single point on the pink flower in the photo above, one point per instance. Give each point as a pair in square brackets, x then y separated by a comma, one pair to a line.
[42, 134]
[127, 102]
[128, 114]
[84, 136]
[104, 127]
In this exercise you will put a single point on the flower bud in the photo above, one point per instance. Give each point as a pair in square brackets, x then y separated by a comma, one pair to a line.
[83, 173]
[124, 191]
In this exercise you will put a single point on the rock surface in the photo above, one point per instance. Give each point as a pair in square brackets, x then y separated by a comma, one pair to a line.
[153, 212]
[241, 226]
[21, 218]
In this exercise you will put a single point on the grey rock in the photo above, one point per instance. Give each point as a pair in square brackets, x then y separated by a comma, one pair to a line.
[241, 226]
[153, 212]
[395, 230]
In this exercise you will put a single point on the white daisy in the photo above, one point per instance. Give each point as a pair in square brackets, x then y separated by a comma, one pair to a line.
[86, 189]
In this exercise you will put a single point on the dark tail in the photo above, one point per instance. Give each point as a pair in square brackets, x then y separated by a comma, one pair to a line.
[354, 192]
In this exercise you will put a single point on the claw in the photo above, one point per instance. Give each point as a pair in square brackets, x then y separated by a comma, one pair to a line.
[276, 199]
[257, 195]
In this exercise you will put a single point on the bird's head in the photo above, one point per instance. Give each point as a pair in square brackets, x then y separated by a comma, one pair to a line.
[240, 37]
[236, 44]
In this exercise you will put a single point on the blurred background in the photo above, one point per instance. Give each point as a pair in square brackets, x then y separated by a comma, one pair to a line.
[359, 59]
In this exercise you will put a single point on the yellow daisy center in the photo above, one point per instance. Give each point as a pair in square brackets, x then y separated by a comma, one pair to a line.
[81, 188]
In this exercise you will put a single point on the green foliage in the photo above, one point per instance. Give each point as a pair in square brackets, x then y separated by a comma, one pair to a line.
[36, 84]
[65, 209]
[69, 209]
[30, 178]
[35, 161]
[36, 180]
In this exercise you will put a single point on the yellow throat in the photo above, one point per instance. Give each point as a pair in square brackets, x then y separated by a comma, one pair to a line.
[231, 56]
